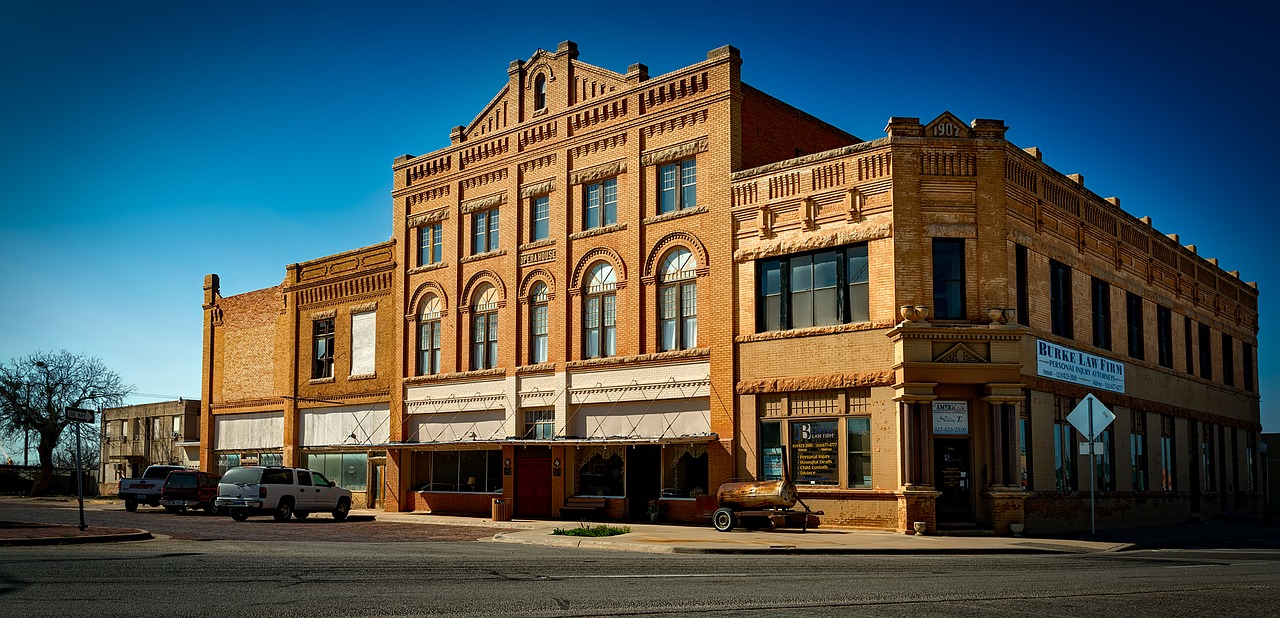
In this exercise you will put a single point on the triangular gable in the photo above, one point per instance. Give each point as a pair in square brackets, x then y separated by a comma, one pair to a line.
[947, 125]
[496, 115]
[960, 353]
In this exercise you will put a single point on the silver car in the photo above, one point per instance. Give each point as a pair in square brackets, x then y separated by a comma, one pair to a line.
[281, 492]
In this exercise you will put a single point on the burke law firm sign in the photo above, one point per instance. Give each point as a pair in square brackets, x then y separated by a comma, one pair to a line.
[1063, 363]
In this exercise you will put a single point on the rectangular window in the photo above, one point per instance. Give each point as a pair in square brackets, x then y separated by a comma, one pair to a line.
[948, 278]
[463, 471]
[1133, 319]
[322, 349]
[1106, 463]
[1206, 456]
[1164, 336]
[1063, 445]
[1228, 360]
[1206, 354]
[364, 336]
[1024, 451]
[859, 439]
[678, 316]
[485, 225]
[1251, 466]
[538, 332]
[677, 186]
[813, 452]
[1168, 470]
[430, 244]
[1101, 314]
[1186, 336]
[1060, 299]
[771, 451]
[1246, 354]
[1138, 453]
[601, 206]
[539, 424]
[428, 347]
[540, 218]
[484, 341]
[1020, 275]
[813, 289]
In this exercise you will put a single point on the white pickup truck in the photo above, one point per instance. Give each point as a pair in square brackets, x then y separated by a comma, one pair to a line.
[145, 490]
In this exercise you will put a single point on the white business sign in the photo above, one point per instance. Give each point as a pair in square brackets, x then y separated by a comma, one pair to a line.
[1063, 363]
[951, 417]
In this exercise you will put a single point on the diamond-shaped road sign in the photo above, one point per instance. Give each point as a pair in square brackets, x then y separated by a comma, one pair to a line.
[1079, 417]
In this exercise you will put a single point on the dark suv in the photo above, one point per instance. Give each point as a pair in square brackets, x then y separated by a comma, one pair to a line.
[189, 489]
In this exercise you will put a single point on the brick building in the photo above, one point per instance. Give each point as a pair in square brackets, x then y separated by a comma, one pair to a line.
[300, 374]
[637, 288]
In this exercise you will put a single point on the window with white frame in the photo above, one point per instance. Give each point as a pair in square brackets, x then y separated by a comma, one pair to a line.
[484, 328]
[599, 334]
[484, 231]
[429, 337]
[677, 186]
[677, 301]
[539, 218]
[538, 324]
[600, 204]
[430, 244]
[539, 424]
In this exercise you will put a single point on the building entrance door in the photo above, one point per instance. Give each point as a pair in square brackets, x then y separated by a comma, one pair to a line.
[377, 470]
[643, 480]
[954, 479]
[533, 482]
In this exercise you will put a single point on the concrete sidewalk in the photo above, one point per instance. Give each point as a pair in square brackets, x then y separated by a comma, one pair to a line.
[677, 538]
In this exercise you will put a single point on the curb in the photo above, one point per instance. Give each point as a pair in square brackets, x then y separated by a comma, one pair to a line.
[141, 535]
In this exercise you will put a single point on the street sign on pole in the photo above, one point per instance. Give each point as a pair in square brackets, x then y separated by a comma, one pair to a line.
[79, 415]
[1090, 418]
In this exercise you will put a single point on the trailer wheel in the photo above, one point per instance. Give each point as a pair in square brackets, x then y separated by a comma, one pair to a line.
[724, 519]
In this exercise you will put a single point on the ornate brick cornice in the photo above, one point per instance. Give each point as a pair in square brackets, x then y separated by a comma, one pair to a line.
[604, 170]
[876, 229]
[815, 383]
[674, 153]
[460, 376]
[484, 203]
[538, 188]
[658, 357]
[431, 216]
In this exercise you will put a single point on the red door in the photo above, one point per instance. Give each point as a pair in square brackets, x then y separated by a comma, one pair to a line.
[533, 487]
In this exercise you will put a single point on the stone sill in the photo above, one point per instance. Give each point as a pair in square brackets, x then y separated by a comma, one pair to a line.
[482, 256]
[425, 268]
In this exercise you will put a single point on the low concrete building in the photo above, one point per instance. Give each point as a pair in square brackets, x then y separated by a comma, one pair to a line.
[137, 436]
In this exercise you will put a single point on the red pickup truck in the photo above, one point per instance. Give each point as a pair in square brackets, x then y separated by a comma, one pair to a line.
[189, 489]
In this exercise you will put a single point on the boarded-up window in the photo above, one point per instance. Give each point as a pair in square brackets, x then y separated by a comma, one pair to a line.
[363, 338]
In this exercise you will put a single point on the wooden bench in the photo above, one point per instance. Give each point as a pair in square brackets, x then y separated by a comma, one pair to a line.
[581, 506]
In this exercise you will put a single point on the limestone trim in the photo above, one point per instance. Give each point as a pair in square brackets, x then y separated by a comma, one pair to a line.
[467, 403]
[482, 256]
[576, 394]
[484, 276]
[459, 376]
[420, 293]
[324, 315]
[604, 170]
[597, 231]
[667, 216]
[815, 383]
[590, 257]
[811, 331]
[870, 230]
[426, 268]
[361, 376]
[675, 153]
[329, 380]
[431, 216]
[657, 357]
[669, 242]
[537, 368]
[537, 244]
[534, 276]
[538, 188]
[484, 203]
[365, 307]
[807, 159]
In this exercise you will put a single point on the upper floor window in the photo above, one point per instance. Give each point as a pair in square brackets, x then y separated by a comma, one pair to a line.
[1060, 299]
[1187, 347]
[677, 302]
[484, 231]
[540, 92]
[1133, 315]
[948, 278]
[538, 324]
[1164, 336]
[1101, 313]
[430, 244]
[601, 207]
[539, 424]
[539, 218]
[1206, 354]
[1228, 360]
[1020, 277]
[677, 186]
[322, 349]
[813, 289]
[599, 324]
[364, 342]
[429, 337]
[1246, 355]
[484, 328]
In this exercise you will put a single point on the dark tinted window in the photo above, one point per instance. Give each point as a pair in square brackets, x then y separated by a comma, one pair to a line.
[304, 478]
[242, 475]
[1060, 299]
[181, 479]
[277, 476]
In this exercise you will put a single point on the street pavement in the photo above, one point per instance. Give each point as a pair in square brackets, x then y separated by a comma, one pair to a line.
[677, 538]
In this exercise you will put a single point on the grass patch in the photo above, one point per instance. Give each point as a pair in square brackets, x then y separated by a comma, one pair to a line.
[589, 530]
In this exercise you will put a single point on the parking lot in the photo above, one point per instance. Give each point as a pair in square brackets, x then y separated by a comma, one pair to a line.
[362, 526]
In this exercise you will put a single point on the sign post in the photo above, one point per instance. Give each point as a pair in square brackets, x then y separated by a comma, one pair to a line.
[1090, 418]
[79, 416]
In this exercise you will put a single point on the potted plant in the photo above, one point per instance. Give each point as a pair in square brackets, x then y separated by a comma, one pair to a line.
[654, 509]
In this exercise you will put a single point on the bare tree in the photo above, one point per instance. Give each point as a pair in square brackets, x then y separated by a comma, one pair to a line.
[90, 448]
[36, 388]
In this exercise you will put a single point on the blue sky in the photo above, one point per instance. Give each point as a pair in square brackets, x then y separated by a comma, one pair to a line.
[146, 144]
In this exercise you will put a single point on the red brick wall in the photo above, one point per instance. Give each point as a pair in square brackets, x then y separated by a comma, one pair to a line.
[452, 503]
[774, 131]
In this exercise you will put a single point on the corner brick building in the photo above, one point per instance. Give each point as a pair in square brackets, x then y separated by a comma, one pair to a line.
[613, 289]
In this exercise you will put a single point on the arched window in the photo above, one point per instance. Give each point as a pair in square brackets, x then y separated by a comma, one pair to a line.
[429, 336]
[540, 92]
[538, 324]
[677, 301]
[484, 328]
[599, 330]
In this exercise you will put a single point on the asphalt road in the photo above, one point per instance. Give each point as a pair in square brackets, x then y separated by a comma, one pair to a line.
[330, 575]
